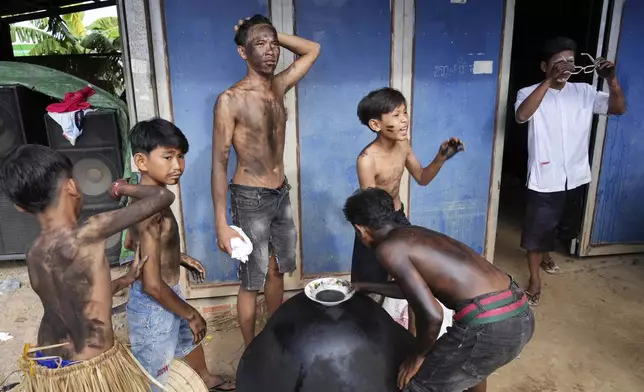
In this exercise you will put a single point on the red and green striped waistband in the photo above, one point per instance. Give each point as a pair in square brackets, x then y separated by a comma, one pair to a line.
[498, 307]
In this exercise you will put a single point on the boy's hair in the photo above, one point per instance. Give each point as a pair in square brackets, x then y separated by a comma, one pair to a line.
[556, 45]
[379, 102]
[148, 135]
[372, 208]
[242, 32]
[30, 175]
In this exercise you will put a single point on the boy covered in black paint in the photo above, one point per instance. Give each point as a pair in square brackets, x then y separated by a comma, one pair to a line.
[381, 165]
[66, 264]
[493, 321]
[162, 324]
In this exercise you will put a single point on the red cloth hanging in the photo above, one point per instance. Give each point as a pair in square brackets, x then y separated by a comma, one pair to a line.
[73, 101]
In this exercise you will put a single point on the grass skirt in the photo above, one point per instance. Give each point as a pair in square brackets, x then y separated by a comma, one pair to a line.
[116, 370]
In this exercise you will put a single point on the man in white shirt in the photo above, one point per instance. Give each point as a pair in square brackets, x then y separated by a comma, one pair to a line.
[560, 117]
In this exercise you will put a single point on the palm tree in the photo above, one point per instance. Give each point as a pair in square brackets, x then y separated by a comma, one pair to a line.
[67, 35]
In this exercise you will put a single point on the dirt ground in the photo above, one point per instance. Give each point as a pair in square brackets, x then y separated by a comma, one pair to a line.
[589, 326]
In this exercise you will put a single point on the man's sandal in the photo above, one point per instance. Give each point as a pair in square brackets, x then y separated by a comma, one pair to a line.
[533, 299]
[550, 266]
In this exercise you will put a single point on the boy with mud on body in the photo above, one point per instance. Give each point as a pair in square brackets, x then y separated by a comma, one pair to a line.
[381, 165]
[162, 324]
[68, 270]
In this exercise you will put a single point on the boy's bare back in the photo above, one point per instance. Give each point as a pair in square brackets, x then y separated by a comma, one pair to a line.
[72, 278]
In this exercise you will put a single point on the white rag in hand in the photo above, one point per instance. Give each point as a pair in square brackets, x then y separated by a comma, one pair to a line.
[241, 248]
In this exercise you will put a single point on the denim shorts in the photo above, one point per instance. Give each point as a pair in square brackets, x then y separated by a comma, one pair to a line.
[265, 215]
[467, 354]
[157, 335]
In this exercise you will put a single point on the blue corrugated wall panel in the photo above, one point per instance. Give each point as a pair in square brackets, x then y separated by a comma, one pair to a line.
[355, 38]
[450, 100]
[619, 214]
[203, 62]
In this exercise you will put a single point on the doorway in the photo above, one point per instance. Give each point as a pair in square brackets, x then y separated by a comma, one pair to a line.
[534, 24]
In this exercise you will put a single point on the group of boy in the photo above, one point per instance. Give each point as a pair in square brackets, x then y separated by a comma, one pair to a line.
[391, 257]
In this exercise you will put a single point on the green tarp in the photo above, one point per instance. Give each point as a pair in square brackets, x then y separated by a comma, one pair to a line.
[55, 84]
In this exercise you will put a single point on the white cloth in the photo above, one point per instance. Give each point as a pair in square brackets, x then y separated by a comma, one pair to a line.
[398, 309]
[559, 136]
[241, 248]
[66, 121]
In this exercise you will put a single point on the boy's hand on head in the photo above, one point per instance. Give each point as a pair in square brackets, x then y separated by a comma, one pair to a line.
[449, 148]
[239, 23]
[224, 235]
[198, 327]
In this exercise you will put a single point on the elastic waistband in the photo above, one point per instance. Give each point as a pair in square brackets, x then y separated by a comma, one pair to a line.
[494, 308]
[137, 288]
[237, 187]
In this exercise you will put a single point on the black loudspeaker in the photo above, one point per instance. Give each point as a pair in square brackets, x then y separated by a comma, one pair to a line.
[96, 156]
[98, 162]
[113, 244]
[21, 122]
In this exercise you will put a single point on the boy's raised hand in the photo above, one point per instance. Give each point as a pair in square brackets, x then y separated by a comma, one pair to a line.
[449, 148]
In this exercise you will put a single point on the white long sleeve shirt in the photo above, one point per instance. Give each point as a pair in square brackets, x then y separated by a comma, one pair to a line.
[559, 136]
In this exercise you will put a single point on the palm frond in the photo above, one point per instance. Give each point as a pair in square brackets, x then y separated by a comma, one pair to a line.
[40, 23]
[107, 26]
[48, 46]
[29, 35]
[97, 43]
[74, 23]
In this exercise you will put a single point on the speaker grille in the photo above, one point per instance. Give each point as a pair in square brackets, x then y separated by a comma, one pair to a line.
[18, 230]
[95, 170]
[100, 129]
[21, 121]
[10, 127]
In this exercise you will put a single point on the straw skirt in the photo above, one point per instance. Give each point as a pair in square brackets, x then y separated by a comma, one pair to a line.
[116, 370]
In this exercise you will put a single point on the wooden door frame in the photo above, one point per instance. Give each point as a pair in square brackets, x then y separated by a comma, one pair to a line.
[586, 248]
[499, 130]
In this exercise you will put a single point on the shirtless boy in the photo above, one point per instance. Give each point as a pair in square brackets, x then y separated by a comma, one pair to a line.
[251, 117]
[162, 324]
[67, 265]
[381, 165]
[492, 323]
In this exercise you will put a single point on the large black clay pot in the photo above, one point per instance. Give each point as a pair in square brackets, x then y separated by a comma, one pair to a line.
[307, 347]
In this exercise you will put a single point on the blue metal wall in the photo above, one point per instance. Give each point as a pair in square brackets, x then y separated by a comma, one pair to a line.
[449, 100]
[356, 41]
[619, 214]
[203, 62]
[355, 38]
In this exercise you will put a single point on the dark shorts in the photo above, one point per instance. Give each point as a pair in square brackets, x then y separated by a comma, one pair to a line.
[550, 216]
[364, 264]
[467, 354]
[266, 217]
